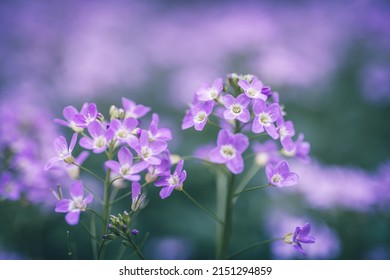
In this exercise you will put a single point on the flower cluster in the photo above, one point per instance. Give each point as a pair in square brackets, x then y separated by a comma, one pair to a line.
[241, 106]
[130, 148]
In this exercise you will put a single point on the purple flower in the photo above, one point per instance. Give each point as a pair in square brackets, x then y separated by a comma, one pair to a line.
[301, 235]
[280, 175]
[75, 204]
[229, 149]
[87, 116]
[207, 92]
[124, 132]
[9, 188]
[155, 171]
[155, 133]
[133, 110]
[236, 108]
[286, 131]
[69, 113]
[148, 151]
[100, 138]
[125, 167]
[265, 117]
[253, 89]
[197, 116]
[62, 150]
[172, 181]
[266, 153]
[302, 149]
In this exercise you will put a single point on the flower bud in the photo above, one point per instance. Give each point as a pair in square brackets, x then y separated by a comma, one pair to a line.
[134, 231]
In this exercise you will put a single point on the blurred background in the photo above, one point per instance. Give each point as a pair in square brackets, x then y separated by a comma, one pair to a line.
[330, 62]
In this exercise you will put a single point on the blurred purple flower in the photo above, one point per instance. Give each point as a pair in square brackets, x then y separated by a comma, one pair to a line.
[286, 132]
[100, 138]
[87, 115]
[69, 113]
[229, 149]
[155, 133]
[236, 108]
[9, 188]
[64, 153]
[75, 204]
[266, 152]
[210, 92]
[125, 167]
[132, 110]
[265, 116]
[253, 89]
[301, 235]
[280, 175]
[172, 181]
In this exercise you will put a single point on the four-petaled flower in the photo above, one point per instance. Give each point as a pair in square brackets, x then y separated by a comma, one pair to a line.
[88, 114]
[155, 133]
[280, 175]
[69, 113]
[197, 116]
[133, 110]
[63, 151]
[265, 116]
[236, 108]
[172, 181]
[124, 132]
[229, 149]
[253, 89]
[301, 235]
[286, 131]
[148, 151]
[75, 204]
[125, 167]
[100, 138]
[207, 92]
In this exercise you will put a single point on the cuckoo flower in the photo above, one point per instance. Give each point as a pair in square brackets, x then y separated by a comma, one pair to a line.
[207, 92]
[197, 116]
[100, 138]
[265, 116]
[236, 108]
[125, 167]
[87, 115]
[138, 200]
[267, 152]
[280, 175]
[172, 181]
[133, 110]
[301, 235]
[302, 149]
[63, 151]
[148, 151]
[286, 131]
[75, 204]
[229, 149]
[155, 133]
[69, 113]
[124, 131]
[253, 89]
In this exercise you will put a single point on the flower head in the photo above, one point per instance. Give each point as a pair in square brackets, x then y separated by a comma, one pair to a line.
[125, 167]
[100, 138]
[229, 149]
[236, 108]
[69, 113]
[133, 110]
[197, 116]
[155, 133]
[253, 89]
[75, 204]
[124, 131]
[148, 151]
[172, 181]
[280, 175]
[265, 117]
[88, 114]
[286, 131]
[301, 235]
[63, 151]
[207, 92]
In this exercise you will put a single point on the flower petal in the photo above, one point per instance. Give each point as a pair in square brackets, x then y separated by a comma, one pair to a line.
[125, 156]
[62, 206]
[236, 165]
[72, 218]
[166, 192]
[76, 190]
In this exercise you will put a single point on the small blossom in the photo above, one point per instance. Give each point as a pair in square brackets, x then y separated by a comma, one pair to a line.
[172, 181]
[280, 175]
[133, 110]
[9, 188]
[100, 138]
[155, 171]
[253, 89]
[124, 131]
[69, 113]
[125, 167]
[236, 108]
[134, 231]
[265, 117]
[197, 116]
[75, 204]
[286, 131]
[207, 92]
[301, 149]
[138, 200]
[266, 153]
[86, 116]
[301, 235]
[155, 133]
[149, 151]
[63, 151]
[229, 149]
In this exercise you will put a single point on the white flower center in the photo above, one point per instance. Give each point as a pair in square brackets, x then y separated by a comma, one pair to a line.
[262, 159]
[283, 132]
[63, 152]
[228, 151]
[100, 142]
[173, 180]
[122, 133]
[265, 119]
[77, 203]
[276, 178]
[236, 109]
[125, 170]
[200, 117]
[253, 92]
[146, 152]
[212, 92]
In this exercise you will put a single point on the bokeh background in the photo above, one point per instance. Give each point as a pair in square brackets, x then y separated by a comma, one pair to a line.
[329, 61]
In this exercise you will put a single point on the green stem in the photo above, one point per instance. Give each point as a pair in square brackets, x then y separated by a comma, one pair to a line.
[94, 212]
[253, 246]
[136, 248]
[90, 172]
[248, 176]
[252, 189]
[203, 208]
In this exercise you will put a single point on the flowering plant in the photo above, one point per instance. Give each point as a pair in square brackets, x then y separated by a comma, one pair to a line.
[242, 109]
